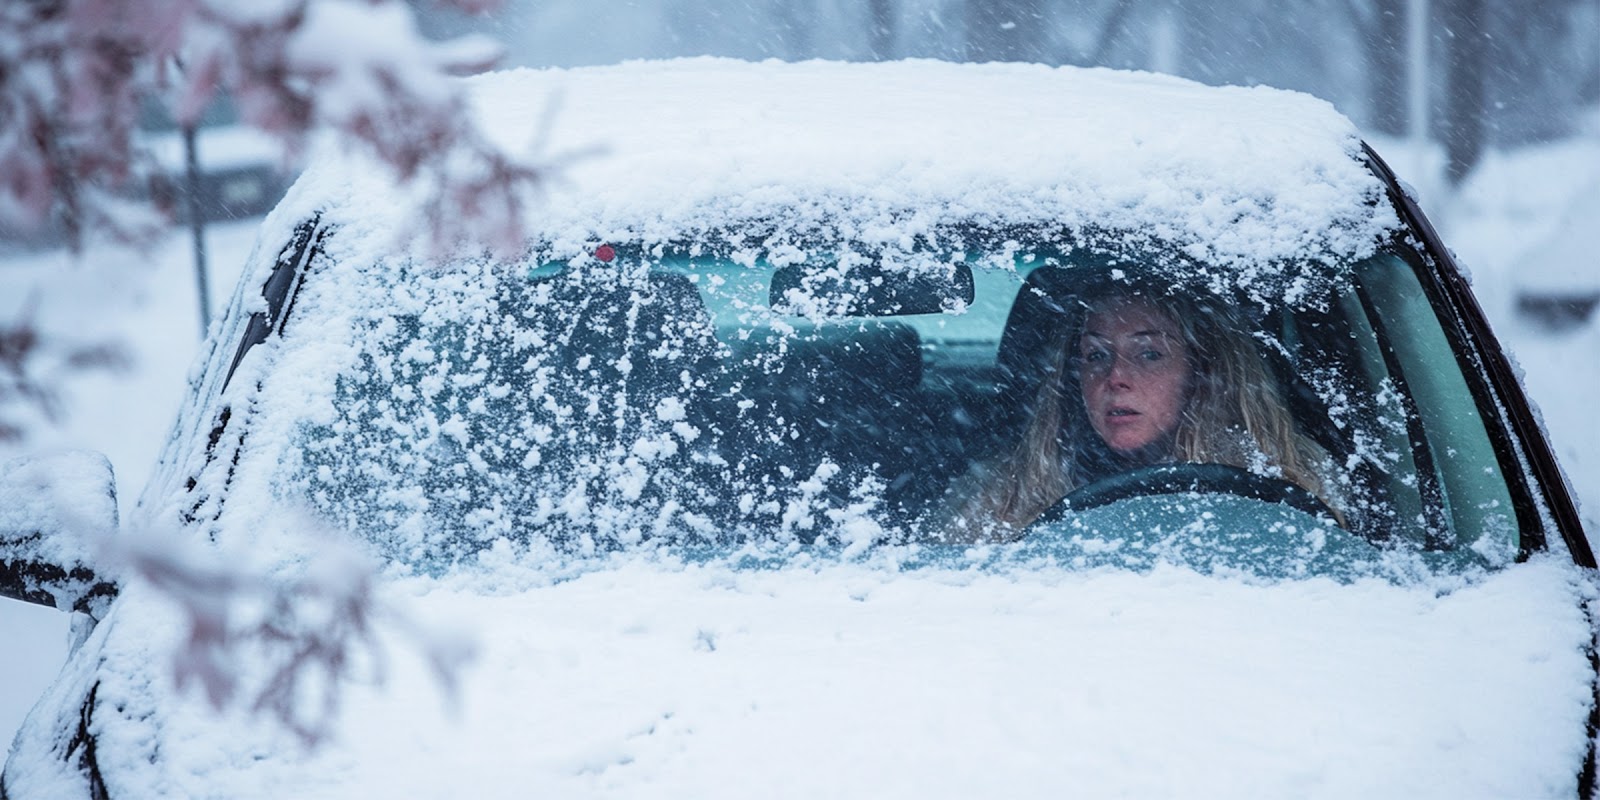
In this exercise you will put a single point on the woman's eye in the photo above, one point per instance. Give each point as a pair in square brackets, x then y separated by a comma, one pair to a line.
[1095, 356]
[1152, 355]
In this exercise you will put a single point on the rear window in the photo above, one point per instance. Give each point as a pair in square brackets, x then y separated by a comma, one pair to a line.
[625, 397]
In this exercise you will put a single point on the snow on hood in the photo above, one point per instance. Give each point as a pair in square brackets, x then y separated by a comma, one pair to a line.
[654, 680]
[656, 150]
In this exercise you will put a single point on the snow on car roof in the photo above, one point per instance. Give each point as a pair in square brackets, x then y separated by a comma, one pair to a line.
[662, 150]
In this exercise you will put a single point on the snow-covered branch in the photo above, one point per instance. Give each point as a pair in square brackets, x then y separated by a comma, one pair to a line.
[283, 637]
[73, 74]
[31, 364]
[285, 647]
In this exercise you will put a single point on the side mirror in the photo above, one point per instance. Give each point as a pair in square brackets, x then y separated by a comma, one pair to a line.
[51, 508]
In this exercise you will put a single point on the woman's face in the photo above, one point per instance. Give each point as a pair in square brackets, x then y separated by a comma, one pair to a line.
[1135, 372]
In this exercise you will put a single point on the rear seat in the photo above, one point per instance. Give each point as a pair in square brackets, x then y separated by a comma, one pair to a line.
[845, 392]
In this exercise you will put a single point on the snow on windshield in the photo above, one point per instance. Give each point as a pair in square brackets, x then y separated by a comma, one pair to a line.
[841, 396]
[639, 373]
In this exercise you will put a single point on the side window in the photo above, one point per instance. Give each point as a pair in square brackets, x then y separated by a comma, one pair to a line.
[1338, 381]
[1379, 414]
[1417, 463]
[1460, 460]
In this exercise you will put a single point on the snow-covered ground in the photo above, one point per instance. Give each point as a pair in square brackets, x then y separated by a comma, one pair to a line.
[147, 302]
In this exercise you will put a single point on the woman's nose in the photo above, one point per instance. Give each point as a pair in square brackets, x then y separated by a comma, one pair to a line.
[1120, 372]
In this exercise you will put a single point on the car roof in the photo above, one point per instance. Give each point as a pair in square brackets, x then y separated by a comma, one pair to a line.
[673, 150]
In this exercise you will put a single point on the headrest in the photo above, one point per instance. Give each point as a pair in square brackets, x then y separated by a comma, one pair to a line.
[1042, 307]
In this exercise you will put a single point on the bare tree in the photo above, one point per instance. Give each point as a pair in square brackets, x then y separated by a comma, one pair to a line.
[1467, 48]
[305, 636]
[1498, 74]
[73, 74]
[1111, 29]
[1381, 28]
[796, 23]
[31, 364]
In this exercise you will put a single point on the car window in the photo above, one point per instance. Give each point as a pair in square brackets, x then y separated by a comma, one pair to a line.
[666, 396]
[1463, 469]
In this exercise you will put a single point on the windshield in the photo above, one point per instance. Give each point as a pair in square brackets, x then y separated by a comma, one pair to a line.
[1085, 400]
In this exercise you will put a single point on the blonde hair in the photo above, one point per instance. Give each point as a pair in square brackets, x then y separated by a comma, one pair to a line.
[1235, 414]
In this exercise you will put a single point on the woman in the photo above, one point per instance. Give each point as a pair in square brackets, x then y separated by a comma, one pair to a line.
[1142, 377]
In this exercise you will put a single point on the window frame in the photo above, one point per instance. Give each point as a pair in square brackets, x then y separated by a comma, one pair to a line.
[1525, 456]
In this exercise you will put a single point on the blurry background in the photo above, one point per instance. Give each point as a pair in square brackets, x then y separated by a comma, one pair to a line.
[1491, 110]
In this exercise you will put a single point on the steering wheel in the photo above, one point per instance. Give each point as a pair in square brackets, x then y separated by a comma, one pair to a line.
[1185, 478]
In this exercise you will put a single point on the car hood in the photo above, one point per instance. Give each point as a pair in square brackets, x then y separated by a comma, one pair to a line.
[662, 679]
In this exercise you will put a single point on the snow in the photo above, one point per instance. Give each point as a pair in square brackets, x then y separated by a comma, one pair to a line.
[649, 677]
[53, 509]
[857, 681]
[891, 158]
[220, 148]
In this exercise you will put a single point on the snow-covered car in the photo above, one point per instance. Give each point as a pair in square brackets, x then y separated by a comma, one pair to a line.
[779, 463]
[1556, 284]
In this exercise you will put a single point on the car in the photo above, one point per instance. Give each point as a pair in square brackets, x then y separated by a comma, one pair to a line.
[722, 470]
[240, 172]
[1553, 290]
